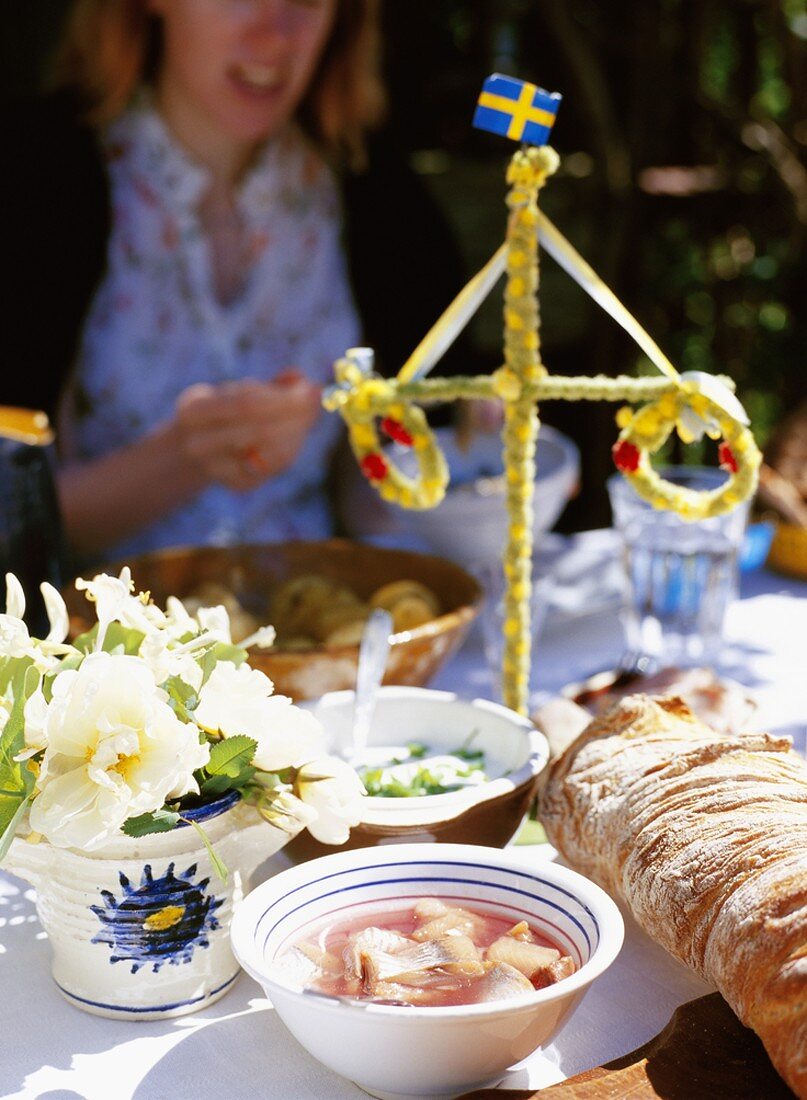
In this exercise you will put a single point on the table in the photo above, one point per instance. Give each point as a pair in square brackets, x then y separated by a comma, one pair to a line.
[240, 1050]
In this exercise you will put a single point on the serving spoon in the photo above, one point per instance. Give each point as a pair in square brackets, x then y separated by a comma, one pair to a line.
[375, 642]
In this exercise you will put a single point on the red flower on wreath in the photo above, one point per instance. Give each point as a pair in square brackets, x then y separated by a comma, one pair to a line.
[396, 431]
[726, 458]
[626, 456]
[374, 467]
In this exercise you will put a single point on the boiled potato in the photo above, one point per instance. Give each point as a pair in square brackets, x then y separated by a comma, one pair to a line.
[389, 594]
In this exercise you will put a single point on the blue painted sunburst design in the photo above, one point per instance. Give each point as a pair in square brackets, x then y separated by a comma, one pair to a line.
[160, 921]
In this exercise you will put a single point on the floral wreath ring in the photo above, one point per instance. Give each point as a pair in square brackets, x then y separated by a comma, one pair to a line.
[646, 430]
[362, 399]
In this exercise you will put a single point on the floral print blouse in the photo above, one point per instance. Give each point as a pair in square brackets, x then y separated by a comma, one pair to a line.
[156, 325]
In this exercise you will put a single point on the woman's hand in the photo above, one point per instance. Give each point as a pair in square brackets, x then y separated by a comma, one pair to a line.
[241, 433]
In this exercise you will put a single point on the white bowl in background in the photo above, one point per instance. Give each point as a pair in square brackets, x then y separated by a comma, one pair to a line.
[470, 524]
[397, 1052]
[489, 813]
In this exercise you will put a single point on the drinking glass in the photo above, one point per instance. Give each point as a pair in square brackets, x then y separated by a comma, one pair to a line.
[491, 577]
[680, 576]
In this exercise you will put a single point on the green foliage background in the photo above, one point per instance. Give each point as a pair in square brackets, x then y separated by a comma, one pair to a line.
[683, 133]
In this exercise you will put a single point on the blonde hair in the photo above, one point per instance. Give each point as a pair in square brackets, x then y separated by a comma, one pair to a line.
[112, 46]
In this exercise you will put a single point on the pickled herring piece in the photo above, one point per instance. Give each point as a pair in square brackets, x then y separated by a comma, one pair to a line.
[370, 940]
[428, 908]
[500, 981]
[520, 931]
[464, 955]
[529, 958]
[453, 921]
[325, 960]
[430, 952]
[452, 954]
[547, 975]
[400, 994]
[295, 967]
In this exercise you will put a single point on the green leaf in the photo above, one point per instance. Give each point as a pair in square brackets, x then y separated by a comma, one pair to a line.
[465, 752]
[9, 669]
[86, 642]
[215, 785]
[469, 754]
[158, 821]
[416, 749]
[219, 865]
[122, 639]
[218, 784]
[181, 697]
[118, 638]
[231, 755]
[220, 651]
[11, 828]
[16, 778]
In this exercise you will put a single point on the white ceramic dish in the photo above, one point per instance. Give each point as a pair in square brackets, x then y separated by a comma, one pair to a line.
[396, 1052]
[470, 524]
[515, 752]
[489, 813]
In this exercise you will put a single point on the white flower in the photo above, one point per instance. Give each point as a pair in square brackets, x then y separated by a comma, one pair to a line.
[165, 661]
[15, 597]
[56, 610]
[35, 714]
[15, 641]
[115, 749]
[263, 638]
[288, 812]
[114, 602]
[692, 427]
[216, 622]
[178, 620]
[239, 700]
[332, 788]
[107, 593]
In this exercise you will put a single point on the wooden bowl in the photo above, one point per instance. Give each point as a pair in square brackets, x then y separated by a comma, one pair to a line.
[251, 572]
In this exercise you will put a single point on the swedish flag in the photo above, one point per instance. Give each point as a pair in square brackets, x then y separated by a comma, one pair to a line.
[515, 109]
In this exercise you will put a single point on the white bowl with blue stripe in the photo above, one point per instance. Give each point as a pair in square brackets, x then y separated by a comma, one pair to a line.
[397, 1052]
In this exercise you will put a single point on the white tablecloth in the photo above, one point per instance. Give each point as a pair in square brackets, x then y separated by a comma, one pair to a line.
[239, 1049]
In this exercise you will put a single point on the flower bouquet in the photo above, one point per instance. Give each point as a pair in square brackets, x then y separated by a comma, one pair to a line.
[138, 764]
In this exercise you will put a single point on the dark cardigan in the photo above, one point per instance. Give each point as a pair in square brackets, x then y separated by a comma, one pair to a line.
[54, 197]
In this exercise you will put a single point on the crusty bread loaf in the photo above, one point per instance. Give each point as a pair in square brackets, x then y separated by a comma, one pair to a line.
[705, 838]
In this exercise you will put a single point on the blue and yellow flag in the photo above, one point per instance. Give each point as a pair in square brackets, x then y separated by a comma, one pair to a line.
[515, 109]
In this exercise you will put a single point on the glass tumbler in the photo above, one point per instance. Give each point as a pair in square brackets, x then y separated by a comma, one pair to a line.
[680, 576]
[491, 576]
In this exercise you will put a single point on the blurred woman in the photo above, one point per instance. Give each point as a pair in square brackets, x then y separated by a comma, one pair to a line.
[197, 230]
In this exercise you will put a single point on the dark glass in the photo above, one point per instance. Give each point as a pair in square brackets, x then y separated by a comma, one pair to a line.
[32, 544]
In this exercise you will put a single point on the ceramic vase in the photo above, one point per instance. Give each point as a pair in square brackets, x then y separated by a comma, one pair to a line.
[139, 929]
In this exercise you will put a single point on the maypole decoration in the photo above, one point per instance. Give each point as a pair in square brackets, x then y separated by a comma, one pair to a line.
[692, 403]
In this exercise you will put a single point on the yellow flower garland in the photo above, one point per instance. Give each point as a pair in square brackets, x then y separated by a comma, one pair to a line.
[361, 398]
[646, 430]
